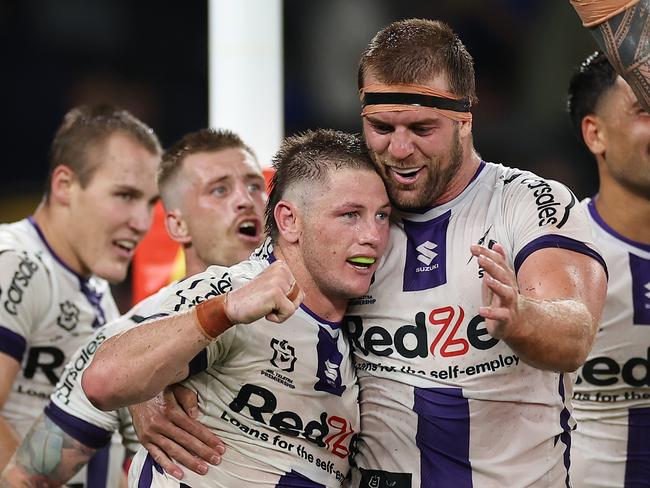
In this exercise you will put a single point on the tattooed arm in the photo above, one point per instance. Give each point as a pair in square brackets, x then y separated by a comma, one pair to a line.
[47, 457]
[625, 39]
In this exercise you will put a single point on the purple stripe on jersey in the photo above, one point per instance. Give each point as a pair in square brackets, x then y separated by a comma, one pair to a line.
[637, 467]
[333, 325]
[146, 474]
[47, 245]
[85, 432]
[293, 479]
[12, 344]
[554, 240]
[198, 363]
[640, 272]
[329, 364]
[565, 436]
[599, 220]
[93, 297]
[443, 437]
[97, 471]
[426, 253]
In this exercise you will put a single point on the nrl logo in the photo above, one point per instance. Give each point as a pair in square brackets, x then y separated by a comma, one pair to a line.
[284, 355]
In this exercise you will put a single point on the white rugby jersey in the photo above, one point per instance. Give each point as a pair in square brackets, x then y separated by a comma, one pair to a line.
[283, 397]
[443, 403]
[46, 312]
[69, 406]
[612, 393]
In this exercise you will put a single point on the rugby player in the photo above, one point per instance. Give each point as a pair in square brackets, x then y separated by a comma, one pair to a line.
[611, 446]
[282, 396]
[56, 265]
[213, 192]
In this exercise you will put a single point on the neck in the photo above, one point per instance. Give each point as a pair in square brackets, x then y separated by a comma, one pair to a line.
[462, 178]
[53, 225]
[626, 212]
[193, 264]
[330, 309]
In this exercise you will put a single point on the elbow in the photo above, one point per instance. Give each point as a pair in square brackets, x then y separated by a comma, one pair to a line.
[97, 386]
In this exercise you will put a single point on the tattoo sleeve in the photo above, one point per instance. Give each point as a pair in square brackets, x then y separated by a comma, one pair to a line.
[625, 39]
[46, 457]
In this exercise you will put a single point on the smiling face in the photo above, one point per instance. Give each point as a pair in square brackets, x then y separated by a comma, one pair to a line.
[223, 204]
[344, 233]
[417, 153]
[112, 213]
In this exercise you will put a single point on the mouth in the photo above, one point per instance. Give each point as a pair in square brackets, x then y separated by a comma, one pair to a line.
[405, 176]
[125, 247]
[249, 230]
[362, 262]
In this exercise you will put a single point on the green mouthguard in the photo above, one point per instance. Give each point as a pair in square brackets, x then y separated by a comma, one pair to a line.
[362, 260]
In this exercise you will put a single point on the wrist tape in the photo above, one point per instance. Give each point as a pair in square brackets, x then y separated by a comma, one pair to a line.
[212, 316]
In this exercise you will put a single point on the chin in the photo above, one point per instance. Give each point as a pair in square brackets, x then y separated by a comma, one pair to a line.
[112, 274]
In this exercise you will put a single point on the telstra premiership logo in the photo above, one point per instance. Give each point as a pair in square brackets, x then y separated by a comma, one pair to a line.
[426, 252]
[647, 287]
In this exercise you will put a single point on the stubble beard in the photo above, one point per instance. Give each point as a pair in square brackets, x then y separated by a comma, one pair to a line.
[425, 193]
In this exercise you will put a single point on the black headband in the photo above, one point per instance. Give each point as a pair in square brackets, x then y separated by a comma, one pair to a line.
[398, 98]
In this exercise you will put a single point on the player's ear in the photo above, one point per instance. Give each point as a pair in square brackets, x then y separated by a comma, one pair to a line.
[287, 220]
[594, 134]
[61, 184]
[177, 227]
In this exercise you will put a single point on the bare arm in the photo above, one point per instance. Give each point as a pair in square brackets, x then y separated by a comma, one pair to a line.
[46, 457]
[9, 439]
[137, 364]
[625, 39]
[549, 313]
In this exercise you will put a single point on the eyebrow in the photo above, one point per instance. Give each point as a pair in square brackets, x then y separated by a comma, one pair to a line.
[426, 121]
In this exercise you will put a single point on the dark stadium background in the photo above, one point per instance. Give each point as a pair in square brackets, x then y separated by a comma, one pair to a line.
[151, 57]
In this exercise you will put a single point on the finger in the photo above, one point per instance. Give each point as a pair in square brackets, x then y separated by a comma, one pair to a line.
[504, 291]
[486, 293]
[496, 270]
[495, 313]
[187, 399]
[283, 310]
[293, 292]
[202, 437]
[161, 458]
[179, 454]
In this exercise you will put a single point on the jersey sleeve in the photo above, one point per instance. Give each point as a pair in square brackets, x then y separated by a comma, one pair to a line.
[24, 299]
[542, 213]
[188, 293]
[69, 406]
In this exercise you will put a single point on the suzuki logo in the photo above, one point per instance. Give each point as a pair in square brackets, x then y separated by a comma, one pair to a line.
[331, 370]
[426, 253]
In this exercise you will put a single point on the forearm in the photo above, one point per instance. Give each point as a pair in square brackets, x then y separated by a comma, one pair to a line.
[625, 39]
[137, 364]
[552, 334]
[46, 457]
[9, 441]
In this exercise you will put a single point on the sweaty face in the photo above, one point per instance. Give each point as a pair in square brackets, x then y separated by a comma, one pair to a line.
[114, 211]
[345, 233]
[626, 133]
[223, 205]
[417, 153]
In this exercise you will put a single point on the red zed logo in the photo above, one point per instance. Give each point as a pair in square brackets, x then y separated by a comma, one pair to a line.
[451, 345]
[341, 431]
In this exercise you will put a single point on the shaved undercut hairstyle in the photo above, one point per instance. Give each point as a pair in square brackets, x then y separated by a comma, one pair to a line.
[414, 51]
[88, 127]
[308, 158]
[204, 140]
[589, 83]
